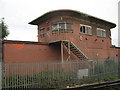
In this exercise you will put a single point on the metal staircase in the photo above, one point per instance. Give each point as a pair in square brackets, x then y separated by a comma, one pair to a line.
[74, 49]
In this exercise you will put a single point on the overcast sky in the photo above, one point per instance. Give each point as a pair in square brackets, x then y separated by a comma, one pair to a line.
[18, 13]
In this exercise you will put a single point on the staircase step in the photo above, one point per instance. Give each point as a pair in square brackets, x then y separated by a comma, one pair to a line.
[75, 50]
[77, 53]
[80, 55]
[71, 45]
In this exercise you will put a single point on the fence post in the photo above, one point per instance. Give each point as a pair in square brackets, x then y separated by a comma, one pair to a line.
[1, 64]
[119, 38]
[0, 75]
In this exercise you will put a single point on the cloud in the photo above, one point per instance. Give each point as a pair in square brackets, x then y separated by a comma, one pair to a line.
[22, 34]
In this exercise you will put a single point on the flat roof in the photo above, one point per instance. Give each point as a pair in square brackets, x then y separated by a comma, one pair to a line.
[71, 13]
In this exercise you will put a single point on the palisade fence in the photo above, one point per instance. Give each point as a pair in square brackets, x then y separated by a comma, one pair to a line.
[57, 74]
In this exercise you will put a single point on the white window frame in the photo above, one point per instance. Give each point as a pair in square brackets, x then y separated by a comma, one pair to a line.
[101, 32]
[42, 33]
[89, 32]
[58, 27]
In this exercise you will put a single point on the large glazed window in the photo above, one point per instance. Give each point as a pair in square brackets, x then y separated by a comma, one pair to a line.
[101, 32]
[85, 29]
[42, 32]
[61, 27]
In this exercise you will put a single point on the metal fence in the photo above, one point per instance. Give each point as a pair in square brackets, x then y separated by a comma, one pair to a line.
[57, 74]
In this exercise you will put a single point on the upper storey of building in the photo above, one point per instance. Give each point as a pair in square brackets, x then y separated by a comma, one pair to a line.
[69, 24]
[71, 13]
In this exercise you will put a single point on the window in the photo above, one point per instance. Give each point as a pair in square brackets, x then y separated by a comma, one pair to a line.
[110, 34]
[101, 32]
[42, 32]
[61, 27]
[85, 29]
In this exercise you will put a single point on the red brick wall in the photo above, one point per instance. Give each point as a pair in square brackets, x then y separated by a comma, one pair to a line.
[48, 53]
[31, 53]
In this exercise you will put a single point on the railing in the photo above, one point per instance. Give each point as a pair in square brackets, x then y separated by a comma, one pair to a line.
[79, 50]
[57, 74]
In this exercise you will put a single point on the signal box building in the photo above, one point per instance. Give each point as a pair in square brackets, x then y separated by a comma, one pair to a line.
[64, 35]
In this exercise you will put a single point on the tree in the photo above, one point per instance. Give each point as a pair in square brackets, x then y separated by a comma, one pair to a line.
[3, 30]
